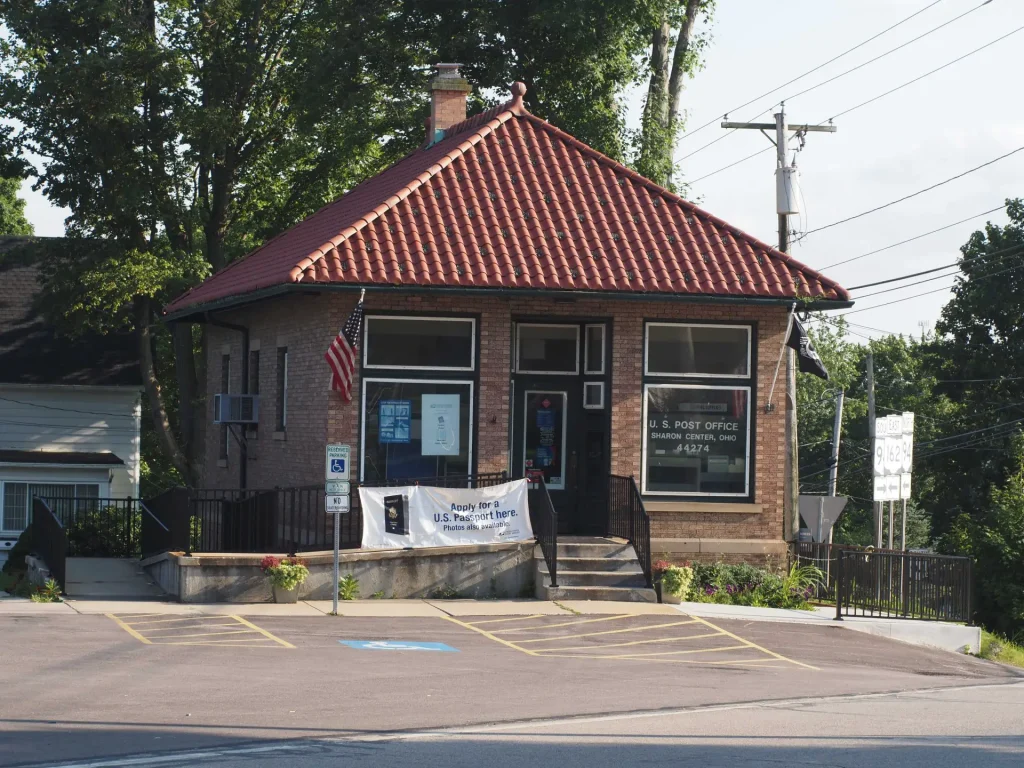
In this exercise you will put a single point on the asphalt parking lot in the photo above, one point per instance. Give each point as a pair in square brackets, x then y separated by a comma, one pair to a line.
[84, 685]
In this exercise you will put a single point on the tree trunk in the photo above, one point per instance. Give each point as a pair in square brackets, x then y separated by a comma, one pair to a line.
[158, 412]
[188, 393]
[680, 65]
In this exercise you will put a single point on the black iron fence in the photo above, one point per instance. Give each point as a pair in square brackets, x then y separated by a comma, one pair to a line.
[49, 539]
[99, 527]
[627, 519]
[902, 585]
[544, 520]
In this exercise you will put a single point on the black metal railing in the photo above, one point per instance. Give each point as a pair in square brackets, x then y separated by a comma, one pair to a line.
[823, 557]
[165, 526]
[544, 520]
[627, 519]
[903, 585]
[49, 539]
[99, 527]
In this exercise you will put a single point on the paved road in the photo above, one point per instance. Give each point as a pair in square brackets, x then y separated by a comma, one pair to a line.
[87, 690]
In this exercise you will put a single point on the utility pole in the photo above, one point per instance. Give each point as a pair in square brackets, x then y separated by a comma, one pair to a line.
[837, 426]
[786, 205]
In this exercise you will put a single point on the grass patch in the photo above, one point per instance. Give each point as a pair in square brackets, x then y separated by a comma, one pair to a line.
[998, 648]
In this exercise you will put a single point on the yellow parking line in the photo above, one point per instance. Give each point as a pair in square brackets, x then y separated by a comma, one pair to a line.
[129, 630]
[488, 635]
[264, 632]
[680, 653]
[662, 659]
[203, 634]
[563, 624]
[174, 620]
[755, 645]
[633, 642]
[235, 643]
[609, 632]
[170, 630]
[513, 618]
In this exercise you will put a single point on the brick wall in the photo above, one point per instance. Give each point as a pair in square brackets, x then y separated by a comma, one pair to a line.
[317, 416]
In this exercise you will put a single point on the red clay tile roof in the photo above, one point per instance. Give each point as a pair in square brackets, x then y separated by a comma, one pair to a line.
[508, 201]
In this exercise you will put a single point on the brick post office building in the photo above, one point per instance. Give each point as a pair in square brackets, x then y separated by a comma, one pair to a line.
[555, 310]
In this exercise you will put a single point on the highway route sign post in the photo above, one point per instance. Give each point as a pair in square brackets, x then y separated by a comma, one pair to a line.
[893, 458]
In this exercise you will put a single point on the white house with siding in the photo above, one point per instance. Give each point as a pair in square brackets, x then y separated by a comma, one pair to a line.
[69, 407]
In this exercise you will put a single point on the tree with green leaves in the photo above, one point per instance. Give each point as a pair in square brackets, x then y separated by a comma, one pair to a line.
[12, 209]
[675, 55]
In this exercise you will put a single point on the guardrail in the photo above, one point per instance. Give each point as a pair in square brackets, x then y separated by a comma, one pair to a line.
[628, 519]
[903, 585]
[544, 519]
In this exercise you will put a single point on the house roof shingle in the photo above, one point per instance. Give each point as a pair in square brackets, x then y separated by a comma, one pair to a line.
[31, 349]
[507, 201]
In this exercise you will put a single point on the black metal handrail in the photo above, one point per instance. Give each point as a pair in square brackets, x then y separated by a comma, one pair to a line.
[544, 519]
[628, 519]
[49, 539]
[903, 585]
[98, 527]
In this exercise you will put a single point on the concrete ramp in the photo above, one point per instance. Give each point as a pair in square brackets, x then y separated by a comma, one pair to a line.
[110, 578]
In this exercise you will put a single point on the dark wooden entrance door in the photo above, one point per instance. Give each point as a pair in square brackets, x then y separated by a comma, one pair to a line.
[554, 434]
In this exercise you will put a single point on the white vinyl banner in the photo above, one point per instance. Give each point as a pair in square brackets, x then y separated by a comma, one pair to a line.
[424, 516]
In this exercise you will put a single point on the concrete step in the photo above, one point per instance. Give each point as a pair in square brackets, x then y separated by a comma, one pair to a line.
[594, 548]
[619, 563]
[568, 578]
[109, 578]
[618, 594]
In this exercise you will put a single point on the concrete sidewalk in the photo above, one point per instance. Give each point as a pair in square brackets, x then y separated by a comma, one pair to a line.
[933, 634]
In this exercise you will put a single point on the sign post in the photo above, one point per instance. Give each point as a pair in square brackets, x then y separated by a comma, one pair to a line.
[337, 489]
[893, 450]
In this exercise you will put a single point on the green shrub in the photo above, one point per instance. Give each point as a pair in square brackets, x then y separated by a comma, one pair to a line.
[48, 593]
[746, 585]
[677, 580]
[348, 587]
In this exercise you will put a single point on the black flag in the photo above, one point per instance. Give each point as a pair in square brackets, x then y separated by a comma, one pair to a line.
[807, 358]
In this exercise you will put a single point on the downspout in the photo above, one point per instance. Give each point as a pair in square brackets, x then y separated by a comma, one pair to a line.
[243, 446]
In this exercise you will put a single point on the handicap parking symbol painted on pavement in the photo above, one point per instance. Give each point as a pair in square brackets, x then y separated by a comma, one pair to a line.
[397, 645]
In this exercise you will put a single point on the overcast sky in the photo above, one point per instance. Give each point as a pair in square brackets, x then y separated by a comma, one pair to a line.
[943, 125]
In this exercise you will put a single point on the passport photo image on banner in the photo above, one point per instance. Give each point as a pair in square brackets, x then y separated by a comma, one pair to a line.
[396, 515]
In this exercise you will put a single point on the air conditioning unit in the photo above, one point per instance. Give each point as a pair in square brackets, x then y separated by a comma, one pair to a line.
[236, 409]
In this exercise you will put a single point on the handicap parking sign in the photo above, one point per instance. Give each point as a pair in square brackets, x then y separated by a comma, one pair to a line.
[337, 462]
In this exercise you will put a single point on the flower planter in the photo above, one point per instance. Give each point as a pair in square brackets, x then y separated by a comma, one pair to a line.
[286, 595]
[669, 598]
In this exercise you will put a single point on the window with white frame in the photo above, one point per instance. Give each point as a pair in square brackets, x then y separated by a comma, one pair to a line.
[697, 350]
[697, 435]
[547, 348]
[16, 498]
[420, 343]
[417, 423]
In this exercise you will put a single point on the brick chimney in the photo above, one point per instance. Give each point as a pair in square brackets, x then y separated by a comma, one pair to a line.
[448, 93]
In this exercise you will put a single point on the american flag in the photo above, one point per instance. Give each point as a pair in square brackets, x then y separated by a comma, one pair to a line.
[343, 354]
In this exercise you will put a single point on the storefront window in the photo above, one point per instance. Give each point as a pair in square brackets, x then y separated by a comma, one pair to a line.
[420, 342]
[696, 440]
[416, 429]
[713, 351]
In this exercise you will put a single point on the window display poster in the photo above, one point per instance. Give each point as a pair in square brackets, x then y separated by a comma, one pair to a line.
[394, 419]
[440, 433]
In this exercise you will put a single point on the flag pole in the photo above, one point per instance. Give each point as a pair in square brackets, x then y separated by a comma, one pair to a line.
[769, 406]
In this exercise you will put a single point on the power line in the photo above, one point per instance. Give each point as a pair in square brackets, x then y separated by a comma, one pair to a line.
[939, 277]
[811, 71]
[128, 415]
[912, 239]
[915, 194]
[843, 74]
[925, 293]
[1011, 250]
[927, 74]
[858, 106]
